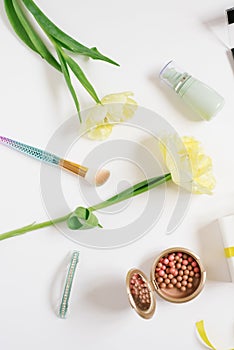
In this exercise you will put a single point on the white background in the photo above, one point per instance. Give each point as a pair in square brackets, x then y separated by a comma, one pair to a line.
[141, 36]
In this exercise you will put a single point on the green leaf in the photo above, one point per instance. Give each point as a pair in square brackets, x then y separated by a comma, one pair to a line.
[68, 42]
[82, 78]
[34, 37]
[82, 219]
[17, 26]
[68, 79]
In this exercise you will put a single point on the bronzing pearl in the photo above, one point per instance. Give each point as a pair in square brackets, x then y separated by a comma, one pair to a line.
[183, 288]
[170, 286]
[171, 257]
[172, 270]
[161, 273]
[178, 285]
[179, 278]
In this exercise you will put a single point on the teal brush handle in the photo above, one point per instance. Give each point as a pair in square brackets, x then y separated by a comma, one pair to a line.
[31, 151]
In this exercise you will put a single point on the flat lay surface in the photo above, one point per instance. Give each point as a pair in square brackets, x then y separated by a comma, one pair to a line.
[37, 109]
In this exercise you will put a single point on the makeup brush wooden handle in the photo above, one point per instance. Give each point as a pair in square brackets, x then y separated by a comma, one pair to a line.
[73, 167]
[91, 175]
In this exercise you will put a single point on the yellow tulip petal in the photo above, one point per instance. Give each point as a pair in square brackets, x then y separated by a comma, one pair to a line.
[120, 97]
[100, 132]
[129, 109]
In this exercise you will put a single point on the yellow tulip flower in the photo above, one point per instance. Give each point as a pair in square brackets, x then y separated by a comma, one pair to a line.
[189, 166]
[114, 108]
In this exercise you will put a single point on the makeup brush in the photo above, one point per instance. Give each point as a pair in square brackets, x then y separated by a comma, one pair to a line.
[94, 177]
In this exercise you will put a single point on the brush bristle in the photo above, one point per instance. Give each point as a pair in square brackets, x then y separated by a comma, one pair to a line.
[97, 178]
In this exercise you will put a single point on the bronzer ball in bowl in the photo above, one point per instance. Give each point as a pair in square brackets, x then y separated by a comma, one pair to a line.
[140, 293]
[178, 275]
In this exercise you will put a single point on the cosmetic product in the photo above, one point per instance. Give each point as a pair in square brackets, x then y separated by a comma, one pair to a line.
[201, 98]
[203, 337]
[68, 285]
[230, 20]
[177, 275]
[93, 176]
[226, 225]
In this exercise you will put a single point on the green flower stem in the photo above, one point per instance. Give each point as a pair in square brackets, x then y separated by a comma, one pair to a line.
[33, 227]
[133, 191]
